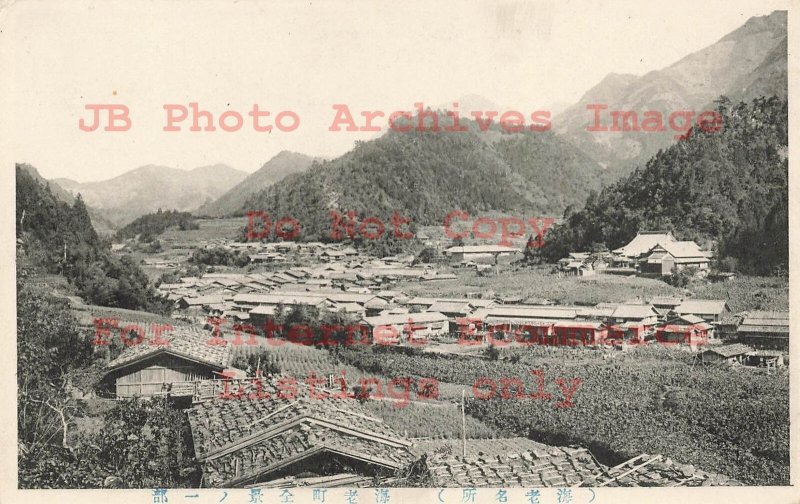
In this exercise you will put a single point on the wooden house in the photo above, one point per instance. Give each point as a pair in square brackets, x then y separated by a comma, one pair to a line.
[173, 366]
[688, 329]
[481, 253]
[765, 329]
[710, 310]
[644, 241]
[727, 354]
[665, 256]
[396, 328]
[579, 333]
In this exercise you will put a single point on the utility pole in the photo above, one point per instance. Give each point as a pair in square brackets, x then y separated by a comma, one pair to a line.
[463, 427]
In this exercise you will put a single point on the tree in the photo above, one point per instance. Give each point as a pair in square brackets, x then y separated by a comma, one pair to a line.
[425, 256]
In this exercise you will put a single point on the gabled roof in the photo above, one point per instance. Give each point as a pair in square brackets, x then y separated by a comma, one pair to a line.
[766, 322]
[452, 307]
[643, 242]
[349, 307]
[300, 298]
[682, 251]
[682, 322]
[203, 300]
[511, 312]
[226, 282]
[730, 350]
[189, 343]
[242, 441]
[404, 318]
[509, 462]
[481, 249]
[702, 306]
[634, 311]
[586, 324]
[666, 301]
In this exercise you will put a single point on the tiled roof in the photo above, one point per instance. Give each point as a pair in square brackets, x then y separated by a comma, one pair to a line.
[666, 301]
[526, 312]
[451, 307]
[481, 249]
[682, 250]
[521, 462]
[765, 322]
[403, 318]
[634, 311]
[643, 242]
[702, 306]
[731, 350]
[187, 342]
[241, 441]
[508, 463]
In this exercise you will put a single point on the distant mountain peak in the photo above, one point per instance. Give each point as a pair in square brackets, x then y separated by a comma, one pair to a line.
[147, 188]
[279, 166]
[747, 62]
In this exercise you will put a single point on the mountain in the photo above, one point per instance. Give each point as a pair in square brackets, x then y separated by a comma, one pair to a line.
[101, 224]
[57, 237]
[148, 188]
[747, 63]
[727, 189]
[425, 175]
[67, 184]
[283, 164]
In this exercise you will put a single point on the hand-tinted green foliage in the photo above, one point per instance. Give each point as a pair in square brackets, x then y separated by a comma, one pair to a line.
[151, 225]
[59, 238]
[728, 187]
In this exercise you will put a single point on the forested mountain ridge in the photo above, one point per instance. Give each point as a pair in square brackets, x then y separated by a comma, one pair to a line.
[283, 164]
[100, 223]
[728, 189]
[425, 175]
[148, 226]
[55, 237]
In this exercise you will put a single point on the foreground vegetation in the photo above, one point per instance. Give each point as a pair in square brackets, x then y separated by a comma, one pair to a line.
[649, 400]
[131, 444]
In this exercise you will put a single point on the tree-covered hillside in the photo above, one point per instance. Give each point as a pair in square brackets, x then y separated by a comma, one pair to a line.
[426, 175]
[55, 237]
[728, 189]
[150, 225]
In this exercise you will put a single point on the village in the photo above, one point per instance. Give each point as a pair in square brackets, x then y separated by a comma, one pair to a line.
[293, 333]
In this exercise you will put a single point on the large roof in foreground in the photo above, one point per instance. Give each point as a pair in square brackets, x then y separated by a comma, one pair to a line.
[242, 441]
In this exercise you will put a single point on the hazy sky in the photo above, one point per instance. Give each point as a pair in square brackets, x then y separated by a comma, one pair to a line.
[307, 56]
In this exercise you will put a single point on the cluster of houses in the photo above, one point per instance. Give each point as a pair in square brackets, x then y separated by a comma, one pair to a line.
[653, 253]
[362, 292]
[279, 252]
[337, 284]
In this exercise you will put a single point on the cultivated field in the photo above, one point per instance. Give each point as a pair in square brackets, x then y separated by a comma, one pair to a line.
[647, 400]
[540, 283]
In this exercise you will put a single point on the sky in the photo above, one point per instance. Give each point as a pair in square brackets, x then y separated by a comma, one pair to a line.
[305, 57]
